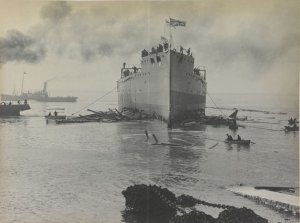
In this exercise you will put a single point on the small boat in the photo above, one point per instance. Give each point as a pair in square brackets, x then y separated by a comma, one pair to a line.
[72, 120]
[239, 142]
[293, 121]
[55, 116]
[58, 117]
[291, 128]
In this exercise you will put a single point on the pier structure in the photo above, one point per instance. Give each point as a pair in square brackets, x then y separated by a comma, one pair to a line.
[276, 200]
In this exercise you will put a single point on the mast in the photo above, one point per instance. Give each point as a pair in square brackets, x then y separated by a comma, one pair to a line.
[172, 23]
[22, 82]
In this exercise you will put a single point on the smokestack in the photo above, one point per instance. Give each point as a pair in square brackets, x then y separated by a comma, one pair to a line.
[45, 87]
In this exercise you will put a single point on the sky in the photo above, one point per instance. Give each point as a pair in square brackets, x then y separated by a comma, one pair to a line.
[245, 46]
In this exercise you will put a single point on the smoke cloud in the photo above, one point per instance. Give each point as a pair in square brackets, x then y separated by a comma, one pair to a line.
[251, 40]
[56, 11]
[19, 47]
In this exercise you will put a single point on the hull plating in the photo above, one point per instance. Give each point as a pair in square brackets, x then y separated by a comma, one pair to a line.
[168, 88]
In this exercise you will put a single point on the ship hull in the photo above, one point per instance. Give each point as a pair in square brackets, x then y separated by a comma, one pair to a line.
[56, 99]
[168, 89]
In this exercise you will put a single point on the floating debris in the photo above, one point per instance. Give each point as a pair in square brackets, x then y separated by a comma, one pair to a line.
[107, 116]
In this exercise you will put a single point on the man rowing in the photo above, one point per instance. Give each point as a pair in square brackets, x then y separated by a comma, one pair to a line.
[229, 137]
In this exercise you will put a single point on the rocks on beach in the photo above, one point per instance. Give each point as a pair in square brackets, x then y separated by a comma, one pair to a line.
[151, 203]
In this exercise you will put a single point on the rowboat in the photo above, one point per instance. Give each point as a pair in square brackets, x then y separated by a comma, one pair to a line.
[291, 128]
[55, 117]
[55, 114]
[239, 142]
[293, 121]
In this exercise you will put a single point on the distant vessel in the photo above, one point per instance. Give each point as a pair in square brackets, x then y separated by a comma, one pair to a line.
[9, 109]
[41, 96]
[167, 84]
[11, 97]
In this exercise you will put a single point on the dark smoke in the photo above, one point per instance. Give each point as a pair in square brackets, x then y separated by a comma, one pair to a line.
[56, 11]
[17, 46]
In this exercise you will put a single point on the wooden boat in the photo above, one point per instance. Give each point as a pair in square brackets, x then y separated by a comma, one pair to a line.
[9, 109]
[293, 121]
[55, 114]
[52, 117]
[239, 142]
[291, 128]
[68, 121]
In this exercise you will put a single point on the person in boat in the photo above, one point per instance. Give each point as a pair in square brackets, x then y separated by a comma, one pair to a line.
[49, 114]
[239, 138]
[25, 102]
[55, 113]
[229, 137]
[134, 69]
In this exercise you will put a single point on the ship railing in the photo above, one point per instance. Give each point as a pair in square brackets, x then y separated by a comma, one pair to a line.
[182, 50]
[162, 47]
[127, 71]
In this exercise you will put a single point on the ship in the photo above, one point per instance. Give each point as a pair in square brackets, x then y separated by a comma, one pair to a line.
[167, 84]
[11, 97]
[41, 96]
[9, 109]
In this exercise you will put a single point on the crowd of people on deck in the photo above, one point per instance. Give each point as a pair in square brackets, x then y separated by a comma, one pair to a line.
[158, 49]
[19, 102]
[164, 47]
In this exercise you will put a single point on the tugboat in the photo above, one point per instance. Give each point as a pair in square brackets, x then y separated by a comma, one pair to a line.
[41, 96]
[9, 109]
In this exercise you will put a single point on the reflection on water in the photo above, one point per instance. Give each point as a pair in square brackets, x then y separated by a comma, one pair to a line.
[13, 119]
[76, 172]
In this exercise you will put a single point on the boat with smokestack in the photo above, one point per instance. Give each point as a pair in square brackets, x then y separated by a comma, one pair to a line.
[41, 96]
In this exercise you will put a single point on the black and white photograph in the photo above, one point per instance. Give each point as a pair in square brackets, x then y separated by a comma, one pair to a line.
[149, 111]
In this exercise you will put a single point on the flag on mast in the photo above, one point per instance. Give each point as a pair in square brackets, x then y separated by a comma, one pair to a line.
[175, 22]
